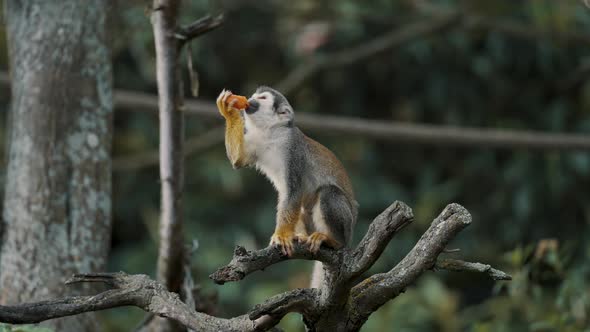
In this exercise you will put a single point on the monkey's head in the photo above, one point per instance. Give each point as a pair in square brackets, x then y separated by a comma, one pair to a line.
[268, 108]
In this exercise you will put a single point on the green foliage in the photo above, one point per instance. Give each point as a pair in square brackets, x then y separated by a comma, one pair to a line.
[460, 77]
[481, 78]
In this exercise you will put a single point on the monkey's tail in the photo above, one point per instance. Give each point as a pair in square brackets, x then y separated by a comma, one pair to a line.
[317, 276]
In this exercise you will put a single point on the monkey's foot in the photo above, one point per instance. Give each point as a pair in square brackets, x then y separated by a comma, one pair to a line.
[316, 239]
[301, 237]
[285, 241]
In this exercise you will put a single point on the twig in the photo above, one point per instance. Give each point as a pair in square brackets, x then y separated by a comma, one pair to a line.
[462, 266]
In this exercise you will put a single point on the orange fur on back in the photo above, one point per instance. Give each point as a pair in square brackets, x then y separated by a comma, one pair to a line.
[331, 162]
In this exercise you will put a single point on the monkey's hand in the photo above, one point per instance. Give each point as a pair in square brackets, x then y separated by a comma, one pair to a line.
[316, 239]
[284, 237]
[226, 106]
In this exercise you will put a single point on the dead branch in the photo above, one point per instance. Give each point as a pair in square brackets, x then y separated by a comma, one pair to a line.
[420, 134]
[378, 289]
[380, 232]
[389, 130]
[436, 135]
[129, 290]
[340, 305]
[456, 265]
[245, 262]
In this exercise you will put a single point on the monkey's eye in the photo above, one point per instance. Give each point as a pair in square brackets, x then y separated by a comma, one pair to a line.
[261, 97]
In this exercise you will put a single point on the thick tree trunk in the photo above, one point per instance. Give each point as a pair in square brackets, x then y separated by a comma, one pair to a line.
[57, 208]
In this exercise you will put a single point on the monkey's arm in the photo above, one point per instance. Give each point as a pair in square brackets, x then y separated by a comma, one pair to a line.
[234, 131]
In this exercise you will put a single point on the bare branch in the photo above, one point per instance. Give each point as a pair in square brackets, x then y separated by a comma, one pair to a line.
[130, 290]
[381, 231]
[462, 266]
[388, 41]
[438, 135]
[391, 131]
[378, 289]
[245, 262]
[199, 27]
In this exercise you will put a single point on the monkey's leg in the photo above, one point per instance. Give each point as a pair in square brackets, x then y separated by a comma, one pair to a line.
[285, 230]
[332, 219]
[303, 225]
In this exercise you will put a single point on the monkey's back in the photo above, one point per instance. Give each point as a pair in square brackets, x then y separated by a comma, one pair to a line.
[324, 160]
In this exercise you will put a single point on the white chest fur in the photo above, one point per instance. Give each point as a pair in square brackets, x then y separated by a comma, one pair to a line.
[269, 148]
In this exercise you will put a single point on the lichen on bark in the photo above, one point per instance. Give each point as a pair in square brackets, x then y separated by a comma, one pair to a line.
[57, 209]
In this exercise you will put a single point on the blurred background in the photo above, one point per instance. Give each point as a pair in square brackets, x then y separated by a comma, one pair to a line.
[519, 65]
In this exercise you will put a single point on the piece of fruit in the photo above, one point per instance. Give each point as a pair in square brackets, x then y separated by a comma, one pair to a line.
[240, 103]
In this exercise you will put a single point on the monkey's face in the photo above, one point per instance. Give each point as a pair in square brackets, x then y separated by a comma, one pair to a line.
[269, 109]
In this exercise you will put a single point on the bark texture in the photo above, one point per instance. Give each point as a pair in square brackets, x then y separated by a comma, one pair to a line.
[170, 255]
[57, 207]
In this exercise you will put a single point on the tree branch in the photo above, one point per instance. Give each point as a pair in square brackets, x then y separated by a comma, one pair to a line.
[462, 266]
[438, 135]
[420, 134]
[199, 27]
[245, 262]
[381, 231]
[378, 289]
[129, 290]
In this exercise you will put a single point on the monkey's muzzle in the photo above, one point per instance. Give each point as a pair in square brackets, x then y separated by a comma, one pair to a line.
[253, 106]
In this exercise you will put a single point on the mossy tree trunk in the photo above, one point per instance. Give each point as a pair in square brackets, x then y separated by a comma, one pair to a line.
[57, 206]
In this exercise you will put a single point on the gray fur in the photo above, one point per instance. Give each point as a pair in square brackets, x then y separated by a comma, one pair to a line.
[336, 208]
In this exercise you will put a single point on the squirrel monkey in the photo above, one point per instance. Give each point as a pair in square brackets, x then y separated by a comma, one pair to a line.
[316, 203]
